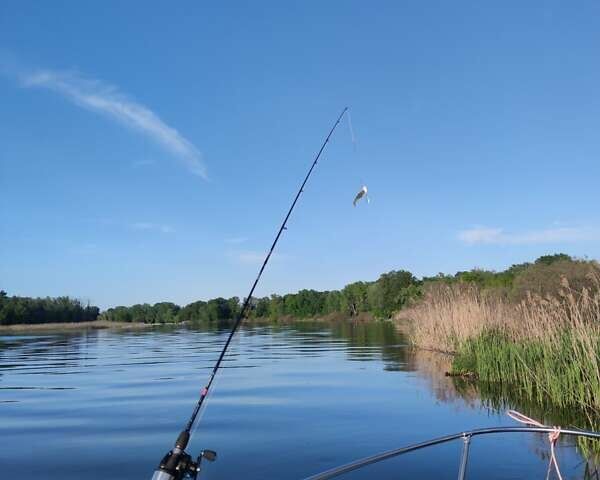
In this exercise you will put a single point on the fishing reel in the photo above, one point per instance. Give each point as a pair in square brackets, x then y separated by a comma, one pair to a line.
[179, 465]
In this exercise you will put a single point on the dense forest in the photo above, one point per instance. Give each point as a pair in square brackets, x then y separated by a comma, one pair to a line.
[381, 298]
[14, 310]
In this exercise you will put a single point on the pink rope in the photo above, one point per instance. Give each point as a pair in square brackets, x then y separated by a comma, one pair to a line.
[552, 437]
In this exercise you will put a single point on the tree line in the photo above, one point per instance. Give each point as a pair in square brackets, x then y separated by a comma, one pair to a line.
[15, 310]
[389, 293]
[546, 276]
[381, 298]
[214, 310]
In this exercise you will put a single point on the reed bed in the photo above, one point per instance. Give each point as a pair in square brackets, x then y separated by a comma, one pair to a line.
[546, 347]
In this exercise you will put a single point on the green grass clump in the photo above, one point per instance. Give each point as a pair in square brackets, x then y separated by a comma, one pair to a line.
[563, 372]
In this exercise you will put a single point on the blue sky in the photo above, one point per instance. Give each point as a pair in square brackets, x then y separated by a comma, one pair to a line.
[150, 150]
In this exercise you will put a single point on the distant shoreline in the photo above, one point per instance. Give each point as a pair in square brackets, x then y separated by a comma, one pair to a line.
[104, 324]
[93, 325]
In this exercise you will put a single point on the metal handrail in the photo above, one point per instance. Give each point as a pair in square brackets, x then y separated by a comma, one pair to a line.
[466, 436]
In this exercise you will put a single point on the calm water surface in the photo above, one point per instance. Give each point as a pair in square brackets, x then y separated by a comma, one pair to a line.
[291, 401]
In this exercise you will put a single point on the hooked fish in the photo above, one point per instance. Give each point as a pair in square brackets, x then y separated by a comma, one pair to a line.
[362, 192]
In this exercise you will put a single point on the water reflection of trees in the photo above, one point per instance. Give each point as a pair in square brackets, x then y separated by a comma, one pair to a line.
[363, 341]
[51, 351]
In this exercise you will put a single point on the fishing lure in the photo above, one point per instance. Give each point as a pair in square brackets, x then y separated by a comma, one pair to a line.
[363, 192]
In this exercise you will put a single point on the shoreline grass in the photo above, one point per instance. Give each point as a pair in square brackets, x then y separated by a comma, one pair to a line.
[547, 348]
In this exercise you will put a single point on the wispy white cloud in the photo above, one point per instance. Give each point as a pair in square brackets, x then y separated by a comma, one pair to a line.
[236, 240]
[497, 236]
[252, 257]
[480, 235]
[106, 99]
[152, 226]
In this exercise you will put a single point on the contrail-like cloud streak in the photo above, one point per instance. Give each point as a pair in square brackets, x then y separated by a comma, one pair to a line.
[106, 99]
[497, 236]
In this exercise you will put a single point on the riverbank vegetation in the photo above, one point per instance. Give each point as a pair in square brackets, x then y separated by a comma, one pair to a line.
[163, 312]
[26, 310]
[380, 299]
[534, 327]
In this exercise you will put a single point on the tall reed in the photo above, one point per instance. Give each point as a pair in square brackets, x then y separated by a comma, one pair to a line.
[547, 347]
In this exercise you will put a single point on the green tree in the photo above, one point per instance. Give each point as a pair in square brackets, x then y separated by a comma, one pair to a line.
[16, 310]
[355, 298]
[389, 293]
[556, 257]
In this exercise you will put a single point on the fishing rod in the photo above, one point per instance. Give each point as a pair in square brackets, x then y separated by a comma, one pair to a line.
[177, 464]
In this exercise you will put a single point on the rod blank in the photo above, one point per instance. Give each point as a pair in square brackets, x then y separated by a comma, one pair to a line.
[246, 304]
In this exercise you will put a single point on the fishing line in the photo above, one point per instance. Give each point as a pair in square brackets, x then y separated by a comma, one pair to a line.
[348, 117]
[362, 183]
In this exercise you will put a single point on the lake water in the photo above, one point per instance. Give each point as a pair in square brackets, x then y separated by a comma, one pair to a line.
[291, 401]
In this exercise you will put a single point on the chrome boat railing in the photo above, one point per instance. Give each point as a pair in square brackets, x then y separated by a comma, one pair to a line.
[465, 436]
